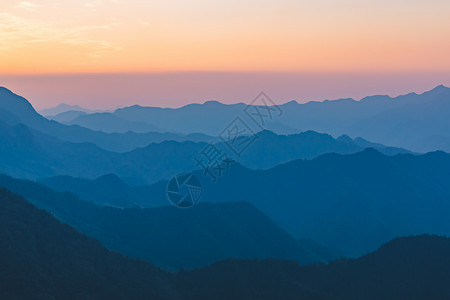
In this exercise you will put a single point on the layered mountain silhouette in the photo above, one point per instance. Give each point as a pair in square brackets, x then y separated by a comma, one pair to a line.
[106, 190]
[174, 238]
[64, 108]
[32, 154]
[16, 110]
[66, 116]
[417, 122]
[41, 258]
[110, 123]
[269, 227]
[384, 196]
[352, 203]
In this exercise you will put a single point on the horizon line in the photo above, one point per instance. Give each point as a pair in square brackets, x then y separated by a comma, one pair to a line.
[226, 104]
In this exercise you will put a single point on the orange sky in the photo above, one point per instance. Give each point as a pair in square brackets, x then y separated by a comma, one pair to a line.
[72, 36]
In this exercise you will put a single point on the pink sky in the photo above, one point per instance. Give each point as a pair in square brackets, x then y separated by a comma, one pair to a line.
[110, 36]
[226, 50]
[104, 91]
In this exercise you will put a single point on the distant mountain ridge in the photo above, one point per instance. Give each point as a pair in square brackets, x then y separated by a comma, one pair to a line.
[110, 123]
[269, 226]
[417, 122]
[15, 110]
[66, 116]
[64, 108]
[56, 149]
[157, 161]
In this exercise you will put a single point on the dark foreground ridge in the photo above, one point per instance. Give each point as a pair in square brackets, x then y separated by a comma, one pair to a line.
[41, 258]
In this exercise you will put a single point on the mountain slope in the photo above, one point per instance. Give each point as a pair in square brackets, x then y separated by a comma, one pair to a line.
[175, 238]
[15, 109]
[107, 190]
[352, 203]
[41, 258]
[413, 268]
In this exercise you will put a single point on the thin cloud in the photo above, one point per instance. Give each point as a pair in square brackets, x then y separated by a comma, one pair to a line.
[143, 23]
[27, 5]
[93, 3]
[16, 32]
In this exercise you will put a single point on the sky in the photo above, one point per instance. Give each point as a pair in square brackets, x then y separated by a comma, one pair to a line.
[65, 39]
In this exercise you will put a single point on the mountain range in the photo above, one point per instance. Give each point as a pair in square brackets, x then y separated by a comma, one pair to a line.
[108, 122]
[383, 196]
[41, 258]
[300, 213]
[15, 110]
[417, 122]
[30, 153]
[352, 203]
[173, 238]
[64, 108]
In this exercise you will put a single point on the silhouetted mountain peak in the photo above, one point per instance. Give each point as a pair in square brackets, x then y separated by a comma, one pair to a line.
[369, 154]
[291, 103]
[345, 138]
[341, 100]
[4, 90]
[110, 179]
[376, 98]
[13, 102]
[65, 106]
[397, 247]
[212, 102]
[132, 106]
[372, 152]
[266, 133]
[440, 87]
[312, 134]
[438, 90]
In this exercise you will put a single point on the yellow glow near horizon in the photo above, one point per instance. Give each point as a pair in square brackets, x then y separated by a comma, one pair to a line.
[49, 36]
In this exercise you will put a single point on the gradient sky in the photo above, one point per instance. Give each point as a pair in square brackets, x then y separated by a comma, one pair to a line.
[145, 36]
[233, 35]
